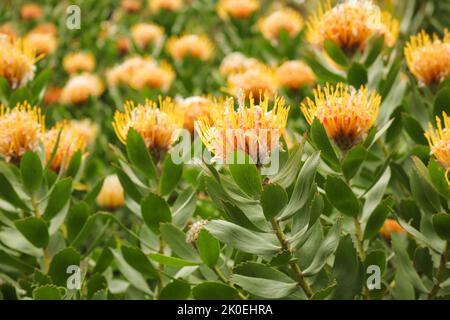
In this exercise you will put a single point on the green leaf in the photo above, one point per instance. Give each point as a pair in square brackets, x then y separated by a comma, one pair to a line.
[353, 160]
[357, 75]
[335, 53]
[258, 270]
[208, 247]
[184, 207]
[138, 154]
[441, 223]
[34, 230]
[154, 211]
[375, 194]
[265, 288]
[377, 45]
[322, 72]
[47, 292]
[438, 178]
[171, 174]
[246, 175]
[175, 290]
[287, 174]
[74, 164]
[376, 219]
[133, 276]
[209, 290]
[273, 199]
[176, 239]
[139, 261]
[326, 249]
[76, 218]
[376, 258]
[442, 101]
[96, 283]
[241, 238]
[171, 261]
[345, 270]
[8, 193]
[59, 264]
[58, 198]
[31, 169]
[320, 139]
[414, 129]
[341, 196]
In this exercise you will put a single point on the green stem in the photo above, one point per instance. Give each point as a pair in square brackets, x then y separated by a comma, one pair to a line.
[440, 273]
[359, 236]
[38, 214]
[293, 265]
[226, 281]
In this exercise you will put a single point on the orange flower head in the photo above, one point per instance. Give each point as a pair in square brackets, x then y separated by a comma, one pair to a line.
[131, 6]
[237, 9]
[439, 141]
[428, 58]
[31, 11]
[79, 62]
[281, 19]
[294, 74]
[21, 130]
[70, 142]
[84, 128]
[252, 129]
[7, 30]
[52, 95]
[253, 82]
[350, 25]
[346, 113]
[17, 61]
[80, 88]
[144, 34]
[168, 5]
[159, 127]
[236, 62]
[111, 195]
[43, 43]
[389, 227]
[194, 108]
[197, 46]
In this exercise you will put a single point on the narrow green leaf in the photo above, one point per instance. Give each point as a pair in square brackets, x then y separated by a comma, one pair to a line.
[335, 53]
[31, 169]
[341, 196]
[138, 154]
[171, 174]
[320, 139]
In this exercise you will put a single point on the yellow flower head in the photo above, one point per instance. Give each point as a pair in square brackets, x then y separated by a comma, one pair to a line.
[346, 113]
[159, 127]
[21, 130]
[144, 34]
[70, 141]
[194, 108]
[439, 141]
[80, 87]
[168, 5]
[237, 9]
[281, 19]
[236, 62]
[31, 11]
[79, 62]
[197, 46]
[43, 42]
[253, 82]
[428, 58]
[350, 25]
[84, 128]
[253, 129]
[294, 74]
[17, 61]
[153, 75]
[111, 195]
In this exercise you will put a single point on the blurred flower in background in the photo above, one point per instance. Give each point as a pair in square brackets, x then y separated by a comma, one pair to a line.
[237, 62]
[294, 74]
[281, 19]
[111, 195]
[144, 34]
[131, 6]
[168, 5]
[237, 9]
[81, 87]
[76, 62]
[196, 46]
[31, 11]
[194, 108]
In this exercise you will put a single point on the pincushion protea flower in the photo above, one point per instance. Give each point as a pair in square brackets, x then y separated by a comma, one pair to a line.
[111, 195]
[78, 62]
[70, 141]
[21, 130]
[253, 81]
[194, 108]
[346, 113]
[253, 129]
[80, 87]
[439, 141]
[43, 42]
[389, 227]
[281, 19]
[17, 61]
[144, 34]
[52, 95]
[428, 58]
[237, 8]
[197, 46]
[294, 74]
[169, 5]
[350, 25]
[84, 128]
[159, 127]
[131, 6]
[31, 11]
[237, 62]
